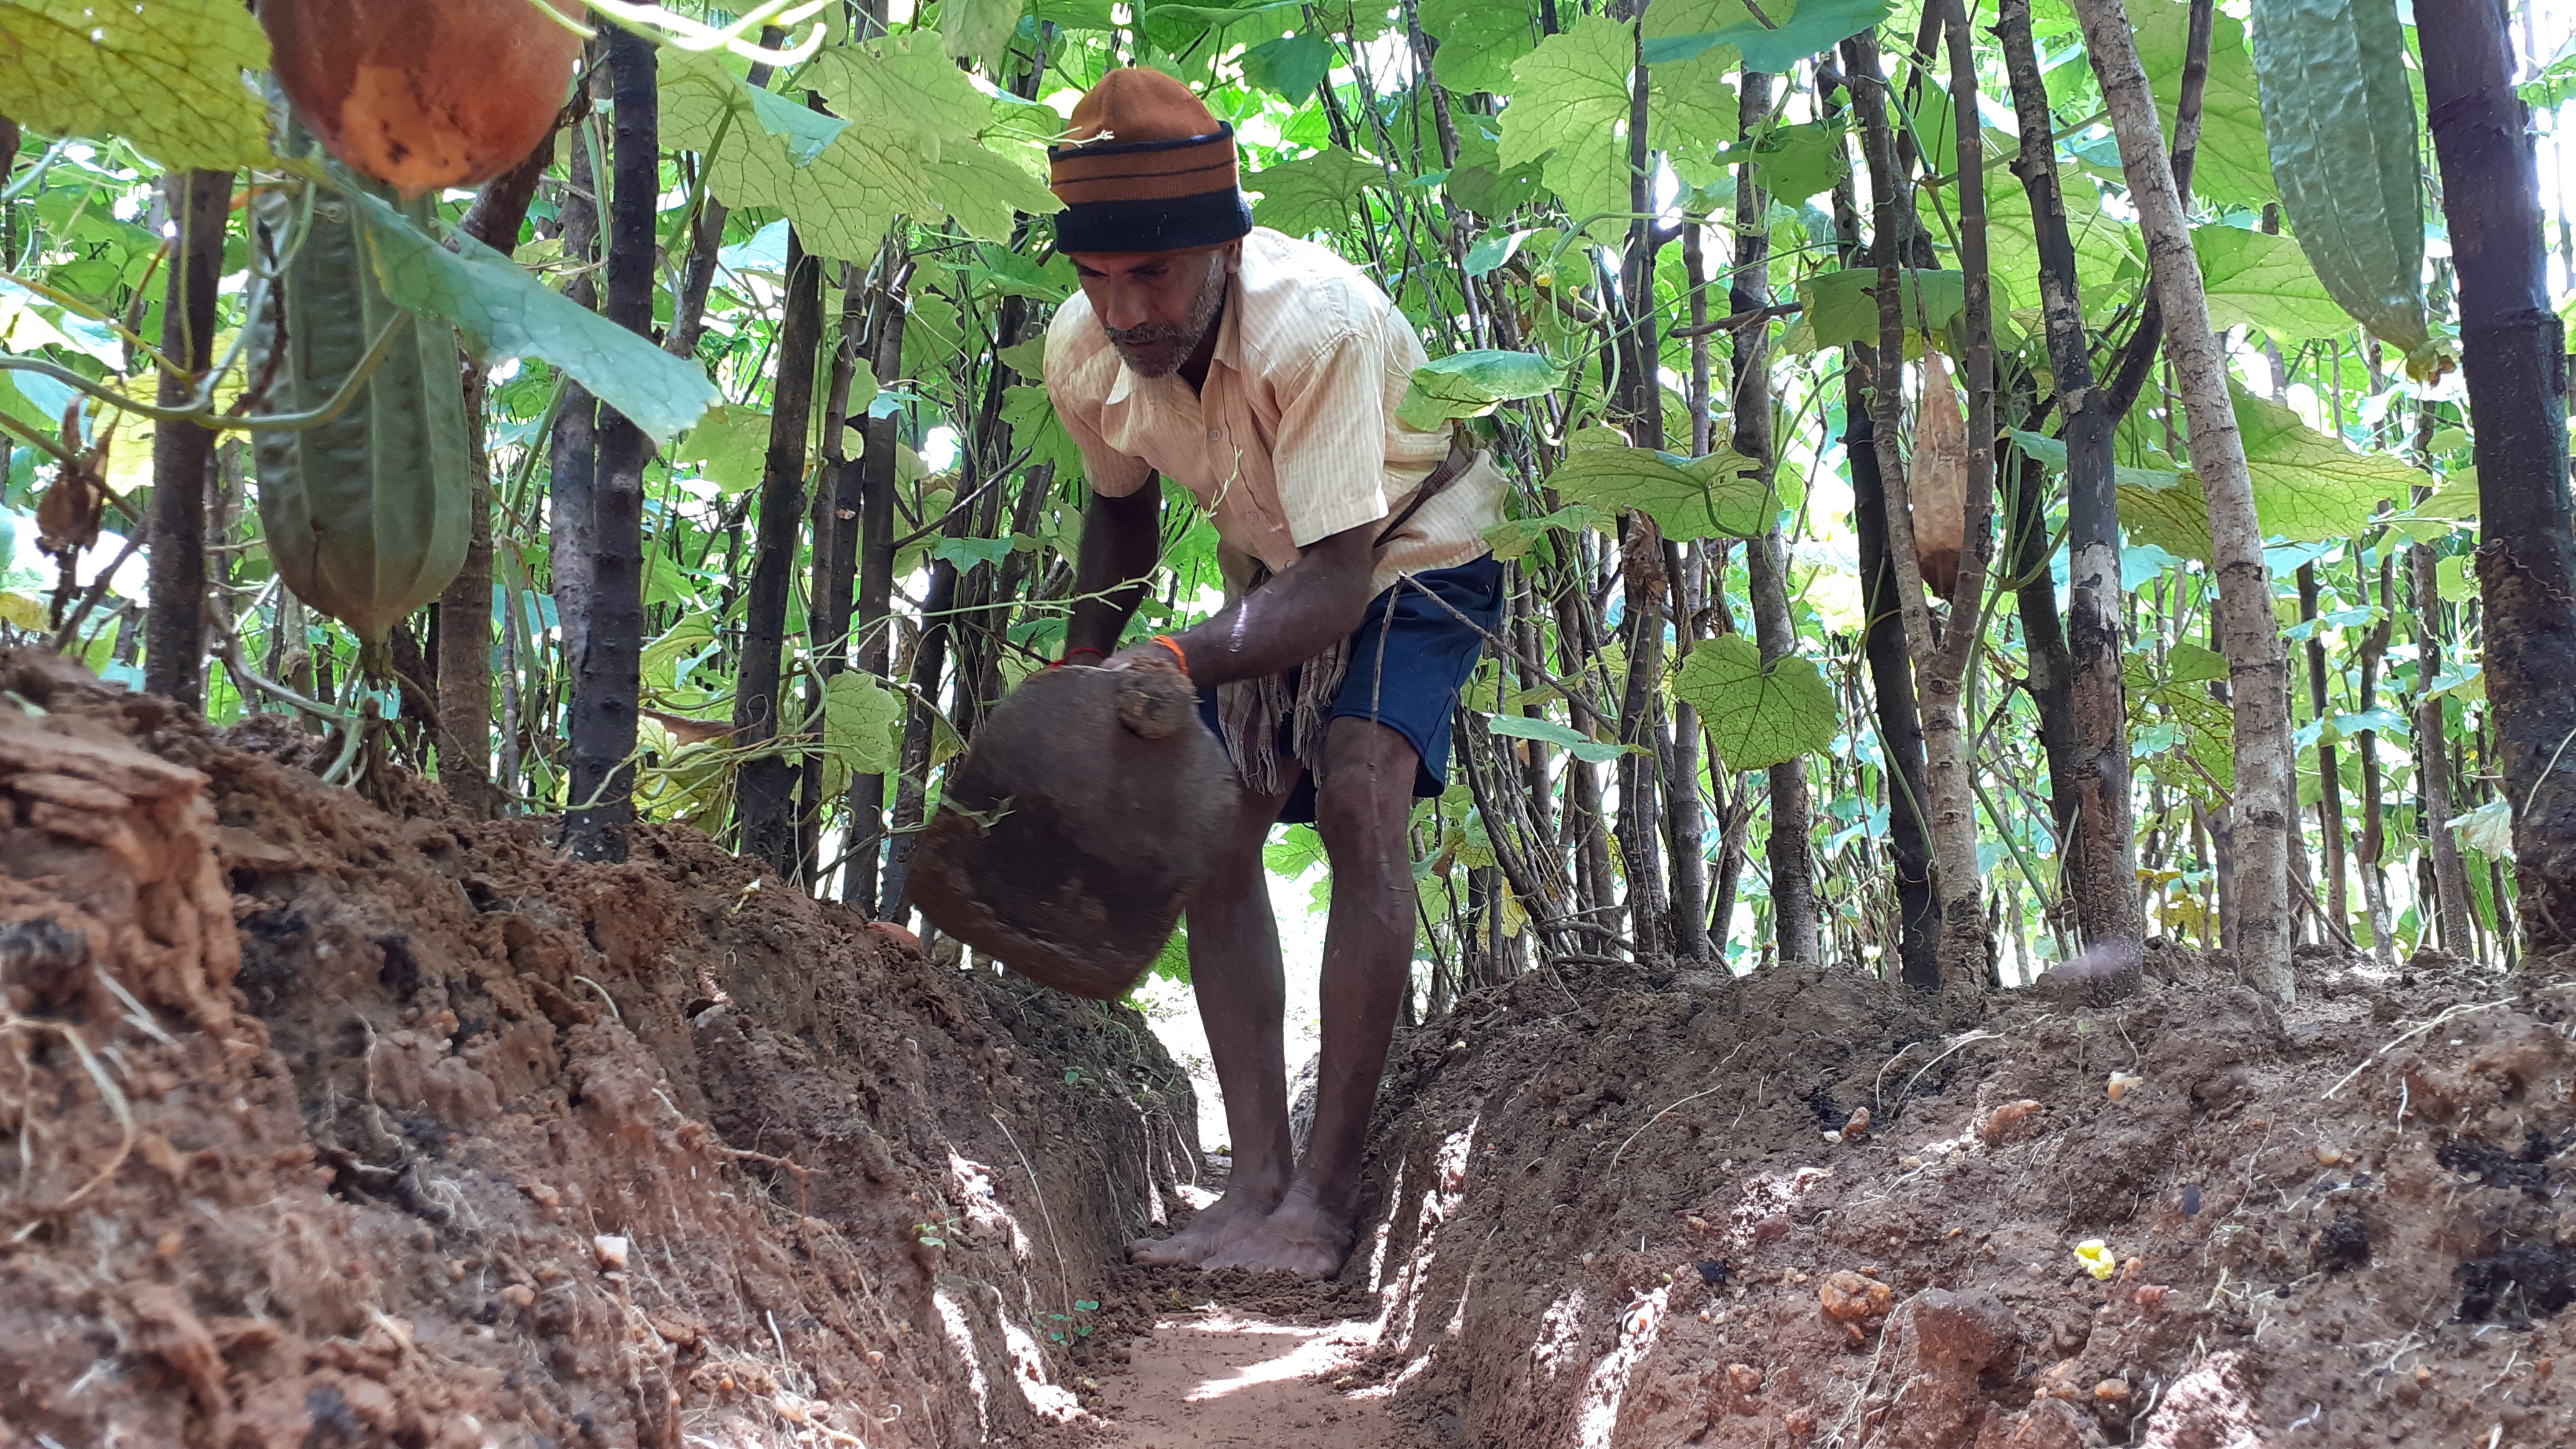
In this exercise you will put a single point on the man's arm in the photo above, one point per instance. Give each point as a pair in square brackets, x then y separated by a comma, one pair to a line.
[1310, 604]
[1121, 539]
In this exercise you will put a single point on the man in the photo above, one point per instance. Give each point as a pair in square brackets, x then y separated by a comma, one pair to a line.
[1262, 374]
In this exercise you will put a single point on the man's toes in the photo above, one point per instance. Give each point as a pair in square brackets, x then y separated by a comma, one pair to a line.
[1162, 1252]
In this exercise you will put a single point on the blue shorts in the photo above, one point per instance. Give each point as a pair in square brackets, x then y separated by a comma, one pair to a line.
[1409, 659]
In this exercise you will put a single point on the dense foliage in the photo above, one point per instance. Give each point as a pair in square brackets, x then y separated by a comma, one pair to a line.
[1639, 244]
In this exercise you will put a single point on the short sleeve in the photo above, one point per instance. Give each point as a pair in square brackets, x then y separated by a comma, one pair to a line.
[1330, 452]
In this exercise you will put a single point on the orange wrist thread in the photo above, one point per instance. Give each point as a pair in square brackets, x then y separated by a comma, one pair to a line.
[1168, 642]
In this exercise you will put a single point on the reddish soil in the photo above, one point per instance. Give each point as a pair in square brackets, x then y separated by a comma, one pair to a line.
[1612, 1215]
[328, 1125]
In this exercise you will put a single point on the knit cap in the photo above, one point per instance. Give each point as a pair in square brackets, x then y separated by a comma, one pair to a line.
[1145, 166]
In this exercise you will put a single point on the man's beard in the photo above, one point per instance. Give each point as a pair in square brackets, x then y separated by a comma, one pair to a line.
[1158, 349]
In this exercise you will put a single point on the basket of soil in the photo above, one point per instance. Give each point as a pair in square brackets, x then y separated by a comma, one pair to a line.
[1070, 837]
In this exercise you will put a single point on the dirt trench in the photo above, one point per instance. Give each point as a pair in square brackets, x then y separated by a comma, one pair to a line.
[326, 1123]
[329, 1125]
[1647, 1208]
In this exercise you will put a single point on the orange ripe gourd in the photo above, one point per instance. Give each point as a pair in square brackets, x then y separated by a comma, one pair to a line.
[424, 94]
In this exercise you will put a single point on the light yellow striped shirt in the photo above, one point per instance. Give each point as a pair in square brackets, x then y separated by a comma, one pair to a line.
[1294, 436]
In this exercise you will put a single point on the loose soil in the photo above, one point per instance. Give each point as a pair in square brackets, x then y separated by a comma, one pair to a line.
[329, 1123]
[324, 1124]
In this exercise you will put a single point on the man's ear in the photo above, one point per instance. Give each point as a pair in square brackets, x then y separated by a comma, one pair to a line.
[1233, 253]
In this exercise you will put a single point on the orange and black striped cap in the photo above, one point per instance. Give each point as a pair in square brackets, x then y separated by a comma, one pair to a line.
[1145, 166]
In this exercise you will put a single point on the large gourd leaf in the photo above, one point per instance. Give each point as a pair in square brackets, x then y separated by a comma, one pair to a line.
[2263, 281]
[1479, 40]
[1840, 308]
[1569, 107]
[917, 154]
[164, 74]
[1776, 40]
[2231, 165]
[2308, 486]
[1312, 193]
[507, 313]
[1757, 715]
[366, 515]
[1721, 495]
[2339, 118]
[1472, 384]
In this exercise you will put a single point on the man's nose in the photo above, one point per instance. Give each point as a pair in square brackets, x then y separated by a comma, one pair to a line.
[1125, 307]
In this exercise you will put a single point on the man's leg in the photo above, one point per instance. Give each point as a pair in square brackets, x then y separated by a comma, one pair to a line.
[1235, 971]
[1362, 804]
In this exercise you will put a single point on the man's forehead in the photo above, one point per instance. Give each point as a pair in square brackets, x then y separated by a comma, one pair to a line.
[1111, 264]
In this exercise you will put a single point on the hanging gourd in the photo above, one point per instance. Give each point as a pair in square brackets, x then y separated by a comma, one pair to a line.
[2339, 119]
[424, 94]
[367, 513]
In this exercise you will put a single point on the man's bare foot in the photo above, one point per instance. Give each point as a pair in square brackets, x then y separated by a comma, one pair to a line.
[1297, 1237]
[1241, 1207]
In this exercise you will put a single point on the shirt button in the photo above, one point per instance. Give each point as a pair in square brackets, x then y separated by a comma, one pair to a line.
[1216, 435]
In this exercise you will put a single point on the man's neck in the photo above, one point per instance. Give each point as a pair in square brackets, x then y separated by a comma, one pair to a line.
[1195, 371]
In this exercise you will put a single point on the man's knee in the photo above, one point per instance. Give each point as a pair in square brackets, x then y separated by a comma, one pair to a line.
[1366, 794]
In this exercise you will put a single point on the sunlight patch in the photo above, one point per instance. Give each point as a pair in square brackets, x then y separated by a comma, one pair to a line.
[1638, 1329]
[1317, 1351]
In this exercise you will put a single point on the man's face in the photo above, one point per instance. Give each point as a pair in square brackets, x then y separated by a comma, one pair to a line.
[1156, 306]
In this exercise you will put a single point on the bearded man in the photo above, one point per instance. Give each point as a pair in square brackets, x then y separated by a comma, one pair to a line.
[1262, 375]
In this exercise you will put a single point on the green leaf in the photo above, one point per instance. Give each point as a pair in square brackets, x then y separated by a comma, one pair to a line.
[1570, 106]
[1514, 537]
[2455, 497]
[2232, 164]
[2488, 829]
[2189, 663]
[2174, 517]
[730, 445]
[1313, 193]
[2379, 721]
[985, 191]
[843, 185]
[660, 664]
[2340, 119]
[977, 30]
[1721, 495]
[965, 553]
[1757, 715]
[507, 313]
[2308, 486]
[1796, 33]
[164, 74]
[1297, 850]
[1481, 183]
[862, 724]
[1691, 112]
[1796, 162]
[2452, 579]
[2264, 281]
[1564, 737]
[1293, 66]
[1841, 307]
[2178, 717]
[2051, 453]
[2108, 254]
[1487, 255]
[1028, 358]
[1479, 40]
[1034, 425]
[1472, 384]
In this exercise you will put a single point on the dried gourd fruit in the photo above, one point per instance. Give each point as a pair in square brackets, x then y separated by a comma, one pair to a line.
[424, 94]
